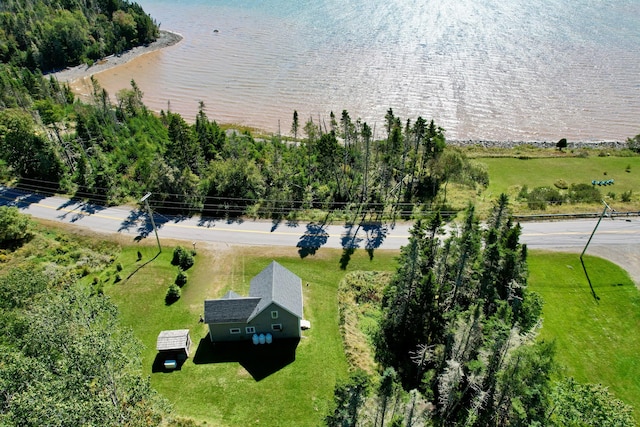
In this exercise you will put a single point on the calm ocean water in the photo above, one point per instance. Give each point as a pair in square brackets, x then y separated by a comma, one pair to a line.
[482, 69]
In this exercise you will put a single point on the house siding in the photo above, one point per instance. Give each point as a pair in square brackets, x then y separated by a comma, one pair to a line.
[220, 332]
[290, 323]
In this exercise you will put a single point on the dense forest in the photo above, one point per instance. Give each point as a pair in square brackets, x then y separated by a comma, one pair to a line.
[456, 340]
[53, 34]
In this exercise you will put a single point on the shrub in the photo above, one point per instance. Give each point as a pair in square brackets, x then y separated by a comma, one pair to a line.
[634, 144]
[540, 197]
[626, 196]
[119, 267]
[561, 184]
[181, 278]
[523, 193]
[173, 294]
[628, 169]
[13, 225]
[182, 258]
[584, 193]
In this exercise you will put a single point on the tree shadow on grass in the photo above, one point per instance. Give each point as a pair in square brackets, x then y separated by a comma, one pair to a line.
[259, 360]
[350, 242]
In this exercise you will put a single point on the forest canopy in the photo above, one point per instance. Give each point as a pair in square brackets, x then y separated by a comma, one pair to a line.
[53, 34]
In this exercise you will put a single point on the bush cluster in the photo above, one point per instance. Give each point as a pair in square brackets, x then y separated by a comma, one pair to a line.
[540, 197]
[181, 278]
[173, 294]
[182, 258]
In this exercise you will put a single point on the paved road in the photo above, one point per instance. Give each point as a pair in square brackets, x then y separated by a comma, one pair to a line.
[617, 240]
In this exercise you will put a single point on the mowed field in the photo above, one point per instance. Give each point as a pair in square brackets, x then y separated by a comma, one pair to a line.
[593, 317]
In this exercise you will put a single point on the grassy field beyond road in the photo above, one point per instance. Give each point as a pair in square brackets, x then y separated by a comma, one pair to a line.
[508, 175]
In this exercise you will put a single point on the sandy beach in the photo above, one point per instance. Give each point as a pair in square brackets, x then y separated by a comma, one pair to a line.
[69, 75]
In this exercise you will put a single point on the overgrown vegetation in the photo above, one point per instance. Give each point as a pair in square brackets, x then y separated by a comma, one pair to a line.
[359, 296]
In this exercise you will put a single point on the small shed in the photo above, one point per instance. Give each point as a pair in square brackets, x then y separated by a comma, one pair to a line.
[175, 344]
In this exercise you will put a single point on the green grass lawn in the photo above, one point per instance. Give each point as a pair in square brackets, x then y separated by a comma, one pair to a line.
[597, 341]
[225, 393]
[507, 174]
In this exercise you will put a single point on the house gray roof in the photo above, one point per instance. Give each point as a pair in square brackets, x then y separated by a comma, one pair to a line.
[173, 340]
[274, 284]
[230, 309]
[279, 285]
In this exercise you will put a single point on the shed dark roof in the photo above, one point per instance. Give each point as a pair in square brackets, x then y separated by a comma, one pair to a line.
[229, 309]
[173, 340]
[277, 284]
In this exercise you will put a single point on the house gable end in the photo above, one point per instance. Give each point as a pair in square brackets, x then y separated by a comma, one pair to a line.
[277, 284]
[272, 307]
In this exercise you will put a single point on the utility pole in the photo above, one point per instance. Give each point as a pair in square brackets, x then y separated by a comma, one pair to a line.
[604, 211]
[153, 223]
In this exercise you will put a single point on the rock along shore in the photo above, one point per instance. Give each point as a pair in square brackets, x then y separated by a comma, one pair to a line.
[615, 145]
[165, 39]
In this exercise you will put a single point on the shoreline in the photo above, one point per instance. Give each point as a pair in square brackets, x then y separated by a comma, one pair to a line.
[168, 38]
[70, 75]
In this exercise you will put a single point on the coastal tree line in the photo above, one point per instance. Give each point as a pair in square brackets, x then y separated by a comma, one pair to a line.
[114, 152]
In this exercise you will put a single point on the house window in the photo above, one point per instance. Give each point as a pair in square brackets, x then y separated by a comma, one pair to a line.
[274, 314]
[250, 330]
[234, 330]
[276, 327]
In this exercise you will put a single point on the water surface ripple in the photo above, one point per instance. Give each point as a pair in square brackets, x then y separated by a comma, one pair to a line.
[493, 69]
